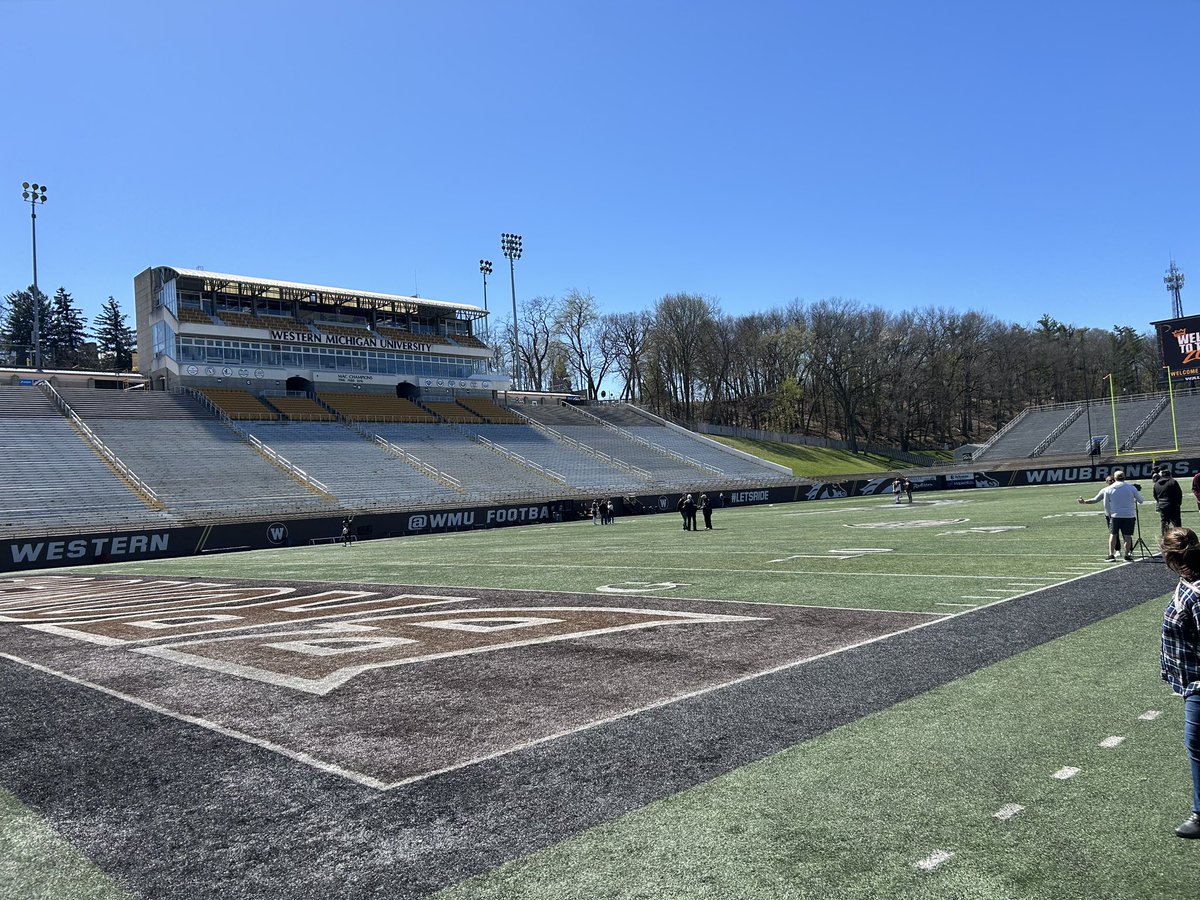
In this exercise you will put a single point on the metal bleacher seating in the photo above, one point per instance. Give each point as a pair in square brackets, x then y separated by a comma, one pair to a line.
[582, 471]
[484, 473]
[452, 412]
[300, 408]
[192, 314]
[358, 472]
[1025, 435]
[197, 465]
[239, 404]
[707, 452]
[53, 479]
[665, 468]
[376, 408]
[490, 412]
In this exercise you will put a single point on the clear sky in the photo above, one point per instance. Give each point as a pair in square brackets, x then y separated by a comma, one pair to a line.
[1018, 158]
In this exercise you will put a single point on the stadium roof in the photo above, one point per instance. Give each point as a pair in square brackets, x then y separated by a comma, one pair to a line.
[322, 291]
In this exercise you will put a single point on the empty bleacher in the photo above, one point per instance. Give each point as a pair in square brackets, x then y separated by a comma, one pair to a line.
[489, 411]
[365, 407]
[191, 314]
[452, 412]
[581, 470]
[300, 408]
[1024, 436]
[243, 320]
[485, 474]
[359, 473]
[239, 404]
[197, 465]
[53, 479]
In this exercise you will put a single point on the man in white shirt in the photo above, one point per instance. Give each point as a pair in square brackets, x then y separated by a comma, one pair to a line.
[1121, 501]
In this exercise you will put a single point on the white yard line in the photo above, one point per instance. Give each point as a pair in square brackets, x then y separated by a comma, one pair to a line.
[357, 777]
[1008, 811]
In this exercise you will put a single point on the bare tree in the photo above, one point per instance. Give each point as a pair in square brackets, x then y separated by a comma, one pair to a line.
[682, 330]
[535, 338]
[581, 329]
[623, 340]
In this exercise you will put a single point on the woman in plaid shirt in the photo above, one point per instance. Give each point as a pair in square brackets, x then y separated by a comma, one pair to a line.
[1181, 652]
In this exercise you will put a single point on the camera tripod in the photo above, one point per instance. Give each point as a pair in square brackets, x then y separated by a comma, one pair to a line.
[1139, 544]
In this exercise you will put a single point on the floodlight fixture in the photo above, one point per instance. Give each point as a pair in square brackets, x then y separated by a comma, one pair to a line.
[510, 244]
[33, 194]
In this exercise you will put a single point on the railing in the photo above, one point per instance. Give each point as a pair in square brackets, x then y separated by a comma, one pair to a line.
[1146, 422]
[278, 459]
[519, 459]
[583, 448]
[1003, 431]
[665, 451]
[1062, 426]
[127, 474]
[416, 462]
[275, 458]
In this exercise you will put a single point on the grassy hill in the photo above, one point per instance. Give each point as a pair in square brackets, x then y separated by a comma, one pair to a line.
[806, 461]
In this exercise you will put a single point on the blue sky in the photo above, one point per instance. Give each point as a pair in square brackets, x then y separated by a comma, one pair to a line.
[1019, 158]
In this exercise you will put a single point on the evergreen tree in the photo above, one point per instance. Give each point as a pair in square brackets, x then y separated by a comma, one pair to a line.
[16, 331]
[63, 335]
[115, 340]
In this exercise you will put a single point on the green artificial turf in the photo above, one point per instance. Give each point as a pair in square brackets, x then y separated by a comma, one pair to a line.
[946, 552]
[849, 815]
[37, 864]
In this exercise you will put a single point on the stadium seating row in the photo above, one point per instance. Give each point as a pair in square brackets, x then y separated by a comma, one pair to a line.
[200, 468]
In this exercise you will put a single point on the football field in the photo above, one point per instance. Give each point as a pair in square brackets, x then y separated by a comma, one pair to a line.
[956, 697]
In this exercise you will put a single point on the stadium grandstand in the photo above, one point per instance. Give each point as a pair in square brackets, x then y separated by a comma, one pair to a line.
[261, 400]
[258, 399]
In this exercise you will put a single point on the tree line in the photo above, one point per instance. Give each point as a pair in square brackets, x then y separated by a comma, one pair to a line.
[66, 341]
[919, 379]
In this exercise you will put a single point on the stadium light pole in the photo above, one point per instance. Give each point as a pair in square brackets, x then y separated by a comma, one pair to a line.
[34, 194]
[1087, 387]
[511, 245]
[485, 268]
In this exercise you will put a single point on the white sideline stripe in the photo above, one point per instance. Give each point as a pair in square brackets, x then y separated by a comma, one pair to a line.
[358, 777]
[971, 597]
[1066, 772]
[933, 860]
[1007, 811]
[940, 603]
[1150, 715]
[1109, 742]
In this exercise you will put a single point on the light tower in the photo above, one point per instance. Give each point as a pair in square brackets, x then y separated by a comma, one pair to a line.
[485, 269]
[1174, 282]
[511, 245]
[33, 194]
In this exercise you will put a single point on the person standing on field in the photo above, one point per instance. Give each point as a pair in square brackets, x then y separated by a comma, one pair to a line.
[1168, 499]
[1120, 501]
[706, 511]
[1179, 657]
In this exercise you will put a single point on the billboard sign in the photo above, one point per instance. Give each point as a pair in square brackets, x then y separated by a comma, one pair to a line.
[1179, 344]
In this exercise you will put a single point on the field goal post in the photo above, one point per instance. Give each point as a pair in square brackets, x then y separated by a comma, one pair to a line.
[1112, 399]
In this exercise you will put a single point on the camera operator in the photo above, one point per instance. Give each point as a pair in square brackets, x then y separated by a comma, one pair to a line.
[1121, 501]
[1168, 498]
